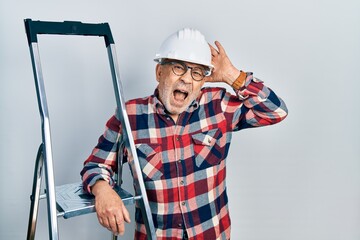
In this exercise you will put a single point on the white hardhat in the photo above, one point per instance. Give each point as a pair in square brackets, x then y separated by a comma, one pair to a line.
[187, 45]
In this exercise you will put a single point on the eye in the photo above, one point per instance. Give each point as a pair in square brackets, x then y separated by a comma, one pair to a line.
[178, 67]
[197, 72]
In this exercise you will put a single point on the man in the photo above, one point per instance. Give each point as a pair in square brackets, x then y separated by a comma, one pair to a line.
[182, 133]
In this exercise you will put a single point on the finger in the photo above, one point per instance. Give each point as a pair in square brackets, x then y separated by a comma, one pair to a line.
[211, 47]
[113, 225]
[101, 221]
[214, 63]
[120, 226]
[105, 223]
[220, 47]
[126, 214]
[213, 50]
[120, 217]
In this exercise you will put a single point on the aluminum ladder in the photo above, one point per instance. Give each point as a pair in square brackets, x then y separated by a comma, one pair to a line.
[70, 200]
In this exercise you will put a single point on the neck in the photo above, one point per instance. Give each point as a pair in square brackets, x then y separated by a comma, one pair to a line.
[174, 117]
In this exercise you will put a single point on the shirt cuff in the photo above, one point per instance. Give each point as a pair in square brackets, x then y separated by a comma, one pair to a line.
[97, 178]
[244, 92]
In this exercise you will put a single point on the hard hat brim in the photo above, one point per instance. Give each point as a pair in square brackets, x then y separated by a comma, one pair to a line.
[160, 59]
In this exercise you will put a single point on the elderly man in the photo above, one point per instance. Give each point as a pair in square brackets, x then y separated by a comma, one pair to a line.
[182, 134]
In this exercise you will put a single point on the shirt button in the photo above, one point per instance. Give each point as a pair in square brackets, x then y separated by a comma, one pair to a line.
[179, 161]
[180, 224]
[183, 203]
[181, 182]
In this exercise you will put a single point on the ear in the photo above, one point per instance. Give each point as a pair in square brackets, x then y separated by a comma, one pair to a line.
[158, 71]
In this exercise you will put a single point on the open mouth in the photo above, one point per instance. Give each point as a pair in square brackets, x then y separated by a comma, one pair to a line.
[180, 95]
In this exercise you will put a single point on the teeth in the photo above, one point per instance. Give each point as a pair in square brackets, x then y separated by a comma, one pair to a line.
[184, 92]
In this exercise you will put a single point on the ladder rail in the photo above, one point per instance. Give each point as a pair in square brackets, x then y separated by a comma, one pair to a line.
[129, 143]
[46, 140]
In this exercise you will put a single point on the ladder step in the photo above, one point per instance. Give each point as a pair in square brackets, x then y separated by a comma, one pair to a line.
[71, 200]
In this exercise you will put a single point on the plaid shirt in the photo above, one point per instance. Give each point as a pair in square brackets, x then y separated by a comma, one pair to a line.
[184, 163]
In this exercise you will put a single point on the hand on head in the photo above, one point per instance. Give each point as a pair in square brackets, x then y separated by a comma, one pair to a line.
[224, 70]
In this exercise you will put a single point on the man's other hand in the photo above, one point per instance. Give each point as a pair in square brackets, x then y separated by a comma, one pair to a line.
[110, 209]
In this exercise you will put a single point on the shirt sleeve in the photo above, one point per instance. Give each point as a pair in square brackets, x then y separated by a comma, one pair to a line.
[254, 105]
[102, 163]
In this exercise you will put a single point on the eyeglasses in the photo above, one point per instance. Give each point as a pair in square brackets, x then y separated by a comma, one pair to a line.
[180, 68]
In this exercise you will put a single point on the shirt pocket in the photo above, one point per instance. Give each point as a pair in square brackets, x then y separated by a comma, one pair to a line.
[150, 161]
[207, 148]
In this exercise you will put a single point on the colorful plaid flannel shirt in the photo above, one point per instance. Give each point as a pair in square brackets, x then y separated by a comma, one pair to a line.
[184, 163]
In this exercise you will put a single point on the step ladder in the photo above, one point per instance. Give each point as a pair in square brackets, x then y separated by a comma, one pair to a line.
[70, 200]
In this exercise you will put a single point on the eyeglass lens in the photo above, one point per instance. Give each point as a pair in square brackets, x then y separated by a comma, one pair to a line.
[181, 68]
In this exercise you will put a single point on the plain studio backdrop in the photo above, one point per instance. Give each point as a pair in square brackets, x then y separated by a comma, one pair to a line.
[296, 180]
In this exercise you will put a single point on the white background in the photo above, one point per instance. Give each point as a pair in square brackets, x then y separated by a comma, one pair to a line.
[296, 180]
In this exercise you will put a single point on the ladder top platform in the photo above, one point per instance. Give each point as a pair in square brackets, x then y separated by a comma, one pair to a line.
[72, 200]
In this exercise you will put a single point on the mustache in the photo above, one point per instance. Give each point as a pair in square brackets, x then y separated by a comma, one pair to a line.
[183, 86]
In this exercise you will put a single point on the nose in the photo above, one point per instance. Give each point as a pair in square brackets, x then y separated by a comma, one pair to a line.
[187, 78]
